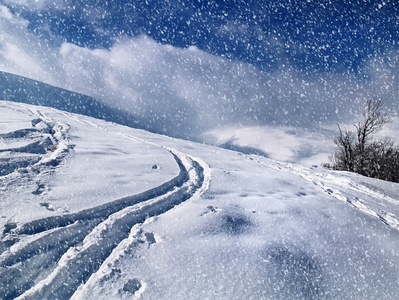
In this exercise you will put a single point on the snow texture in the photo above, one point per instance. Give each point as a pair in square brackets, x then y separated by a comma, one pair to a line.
[96, 210]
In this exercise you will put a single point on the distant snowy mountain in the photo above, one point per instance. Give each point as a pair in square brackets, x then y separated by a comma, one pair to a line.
[25, 90]
[96, 210]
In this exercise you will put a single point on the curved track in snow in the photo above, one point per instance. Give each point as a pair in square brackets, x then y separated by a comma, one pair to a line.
[60, 253]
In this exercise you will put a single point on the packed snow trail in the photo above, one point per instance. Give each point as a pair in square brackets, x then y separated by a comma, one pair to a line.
[80, 262]
[332, 184]
[51, 257]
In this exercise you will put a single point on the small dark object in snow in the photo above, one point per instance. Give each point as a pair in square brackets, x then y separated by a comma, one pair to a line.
[132, 286]
[47, 206]
[301, 194]
[154, 167]
[150, 237]
[40, 189]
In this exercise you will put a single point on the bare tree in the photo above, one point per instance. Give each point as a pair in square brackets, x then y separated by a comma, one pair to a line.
[358, 152]
[374, 120]
[382, 160]
[344, 157]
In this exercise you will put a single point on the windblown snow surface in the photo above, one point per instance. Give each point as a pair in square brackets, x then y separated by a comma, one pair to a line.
[95, 210]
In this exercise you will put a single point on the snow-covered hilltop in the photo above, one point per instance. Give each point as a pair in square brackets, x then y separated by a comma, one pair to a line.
[96, 210]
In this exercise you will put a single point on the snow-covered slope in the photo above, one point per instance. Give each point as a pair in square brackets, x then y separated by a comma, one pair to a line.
[95, 210]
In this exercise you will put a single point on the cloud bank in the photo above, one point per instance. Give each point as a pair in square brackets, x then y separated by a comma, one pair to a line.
[186, 92]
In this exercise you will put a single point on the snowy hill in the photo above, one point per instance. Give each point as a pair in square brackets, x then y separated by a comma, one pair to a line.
[96, 210]
[21, 89]
[308, 145]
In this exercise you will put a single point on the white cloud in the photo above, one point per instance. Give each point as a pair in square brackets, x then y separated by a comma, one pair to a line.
[20, 60]
[384, 72]
[39, 4]
[186, 92]
[22, 53]
[278, 142]
[5, 12]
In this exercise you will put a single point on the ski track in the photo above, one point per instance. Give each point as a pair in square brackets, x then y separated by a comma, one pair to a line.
[326, 181]
[49, 145]
[51, 257]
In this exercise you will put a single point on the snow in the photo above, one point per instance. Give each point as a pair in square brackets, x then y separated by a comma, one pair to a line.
[92, 218]
[307, 147]
[114, 167]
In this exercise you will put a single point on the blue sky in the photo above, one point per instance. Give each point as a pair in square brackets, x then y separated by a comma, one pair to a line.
[336, 35]
[188, 67]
